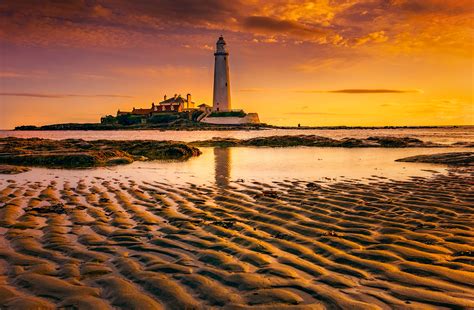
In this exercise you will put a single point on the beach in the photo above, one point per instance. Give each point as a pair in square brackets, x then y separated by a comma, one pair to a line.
[246, 227]
[103, 243]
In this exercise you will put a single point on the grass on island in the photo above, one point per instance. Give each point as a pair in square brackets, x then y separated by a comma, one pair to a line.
[228, 114]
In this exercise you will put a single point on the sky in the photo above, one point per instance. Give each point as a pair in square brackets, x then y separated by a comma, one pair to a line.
[318, 63]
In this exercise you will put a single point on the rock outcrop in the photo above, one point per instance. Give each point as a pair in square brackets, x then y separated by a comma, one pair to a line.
[452, 159]
[77, 153]
[313, 140]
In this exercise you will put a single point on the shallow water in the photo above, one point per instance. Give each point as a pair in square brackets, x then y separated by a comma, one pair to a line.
[440, 135]
[221, 165]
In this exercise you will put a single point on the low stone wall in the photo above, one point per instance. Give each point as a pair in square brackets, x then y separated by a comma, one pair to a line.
[250, 118]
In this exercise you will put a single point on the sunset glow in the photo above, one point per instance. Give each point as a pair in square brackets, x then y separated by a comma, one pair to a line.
[342, 62]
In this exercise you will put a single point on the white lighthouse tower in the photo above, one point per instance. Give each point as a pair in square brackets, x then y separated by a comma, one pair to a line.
[221, 100]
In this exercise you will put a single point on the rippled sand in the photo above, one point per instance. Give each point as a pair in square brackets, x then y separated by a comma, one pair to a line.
[104, 243]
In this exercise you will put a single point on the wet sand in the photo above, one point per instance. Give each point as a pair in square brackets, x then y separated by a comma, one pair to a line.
[101, 243]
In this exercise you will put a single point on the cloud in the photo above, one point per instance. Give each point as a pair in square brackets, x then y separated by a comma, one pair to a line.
[23, 75]
[274, 26]
[45, 95]
[362, 91]
[11, 74]
[319, 113]
[377, 37]
[207, 47]
[369, 27]
[372, 91]
[159, 71]
[433, 6]
[409, 26]
[112, 23]
[88, 76]
[328, 58]
[405, 25]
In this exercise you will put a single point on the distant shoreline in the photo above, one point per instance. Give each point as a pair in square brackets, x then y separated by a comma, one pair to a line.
[197, 127]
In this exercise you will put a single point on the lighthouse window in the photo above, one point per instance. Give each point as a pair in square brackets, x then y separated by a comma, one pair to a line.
[225, 58]
[225, 84]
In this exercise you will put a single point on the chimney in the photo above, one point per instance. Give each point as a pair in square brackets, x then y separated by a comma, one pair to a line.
[165, 97]
[175, 95]
[188, 99]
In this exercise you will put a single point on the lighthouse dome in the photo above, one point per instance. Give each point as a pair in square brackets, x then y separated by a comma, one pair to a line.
[220, 46]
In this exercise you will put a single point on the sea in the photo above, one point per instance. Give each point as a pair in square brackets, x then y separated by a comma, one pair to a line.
[263, 164]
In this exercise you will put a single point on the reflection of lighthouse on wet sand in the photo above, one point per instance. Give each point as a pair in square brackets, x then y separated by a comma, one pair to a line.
[222, 161]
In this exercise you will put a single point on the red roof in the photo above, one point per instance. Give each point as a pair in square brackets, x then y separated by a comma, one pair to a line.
[174, 100]
[141, 111]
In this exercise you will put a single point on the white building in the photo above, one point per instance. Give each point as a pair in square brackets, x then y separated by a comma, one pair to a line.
[221, 98]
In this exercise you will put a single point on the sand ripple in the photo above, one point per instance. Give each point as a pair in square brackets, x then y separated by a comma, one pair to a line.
[99, 244]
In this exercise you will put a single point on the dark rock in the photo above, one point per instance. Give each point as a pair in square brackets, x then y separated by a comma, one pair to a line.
[317, 141]
[77, 153]
[271, 194]
[118, 161]
[64, 159]
[332, 233]
[9, 169]
[283, 236]
[397, 142]
[57, 208]
[313, 185]
[352, 142]
[453, 159]
[464, 253]
[225, 224]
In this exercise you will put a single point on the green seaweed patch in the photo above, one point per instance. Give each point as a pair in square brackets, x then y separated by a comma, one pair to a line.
[228, 114]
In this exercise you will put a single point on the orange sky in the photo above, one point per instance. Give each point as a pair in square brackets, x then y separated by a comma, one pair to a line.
[338, 62]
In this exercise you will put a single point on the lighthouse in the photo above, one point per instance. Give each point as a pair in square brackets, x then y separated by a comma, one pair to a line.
[221, 99]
